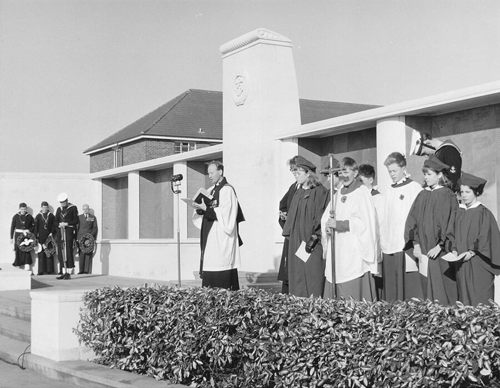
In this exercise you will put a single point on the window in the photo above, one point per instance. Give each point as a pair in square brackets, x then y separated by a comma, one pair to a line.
[185, 146]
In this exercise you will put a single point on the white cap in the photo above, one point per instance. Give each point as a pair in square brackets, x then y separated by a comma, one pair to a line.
[62, 197]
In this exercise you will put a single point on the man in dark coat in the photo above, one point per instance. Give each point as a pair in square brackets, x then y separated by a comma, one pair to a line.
[66, 222]
[284, 206]
[45, 226]
[22, 224]
[87, 224]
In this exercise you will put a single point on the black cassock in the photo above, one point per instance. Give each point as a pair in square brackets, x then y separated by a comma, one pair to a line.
[431, 222]
[21, 222]
[68, 214]
[303, 221]
[45, 224]
[476, 230]
[284, 206]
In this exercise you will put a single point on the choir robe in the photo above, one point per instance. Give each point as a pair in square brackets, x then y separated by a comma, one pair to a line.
[284, 206]
[430, 222]
[355, 243]
[401, 281]
[44, 226]
[476, 230]
[67, 214]
[21, 222]
[219, 238]
[304, 217]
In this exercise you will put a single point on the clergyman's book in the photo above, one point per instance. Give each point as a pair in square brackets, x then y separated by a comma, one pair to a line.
[200, 195]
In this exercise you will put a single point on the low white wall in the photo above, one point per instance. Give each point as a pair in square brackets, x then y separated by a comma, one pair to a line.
[147, 258]
[33, 188]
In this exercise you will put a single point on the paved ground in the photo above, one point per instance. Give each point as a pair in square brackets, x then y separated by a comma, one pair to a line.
[11, 376]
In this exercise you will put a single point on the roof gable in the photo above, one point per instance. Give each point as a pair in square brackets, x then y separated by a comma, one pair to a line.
[197, 114]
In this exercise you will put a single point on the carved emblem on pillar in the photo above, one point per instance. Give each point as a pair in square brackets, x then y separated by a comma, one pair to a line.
[240, 89]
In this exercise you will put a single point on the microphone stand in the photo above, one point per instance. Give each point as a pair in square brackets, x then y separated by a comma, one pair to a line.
[175, 186]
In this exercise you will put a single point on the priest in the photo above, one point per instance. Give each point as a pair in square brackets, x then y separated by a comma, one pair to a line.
[217, 218]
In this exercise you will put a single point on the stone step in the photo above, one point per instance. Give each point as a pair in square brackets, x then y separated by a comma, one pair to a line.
[81, 373]
[14, 310]
[13, 278]
[11, 349]
[15, 328]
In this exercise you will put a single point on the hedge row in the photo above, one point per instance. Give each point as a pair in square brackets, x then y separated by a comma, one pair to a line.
[250, 338]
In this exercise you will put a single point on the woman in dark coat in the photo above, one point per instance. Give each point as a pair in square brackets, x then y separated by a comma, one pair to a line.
[306, 267]
[22, 224]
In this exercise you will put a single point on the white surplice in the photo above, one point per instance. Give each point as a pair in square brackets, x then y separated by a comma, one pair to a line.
[222, 251]
[356, 249]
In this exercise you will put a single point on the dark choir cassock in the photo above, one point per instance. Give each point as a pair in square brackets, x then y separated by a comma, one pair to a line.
[476, 230]
[431, 222]
[21, 223]
[284, 206]
[45, 224]
[67, 214]
[87, 224]
[303, 221]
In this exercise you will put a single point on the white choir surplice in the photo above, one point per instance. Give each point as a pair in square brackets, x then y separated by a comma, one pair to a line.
[356, 249]
[397, 204]
[222, 251]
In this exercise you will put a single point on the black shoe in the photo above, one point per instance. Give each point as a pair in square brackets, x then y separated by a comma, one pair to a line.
[59, 273]
[66, 276]
[61, 276]
[80, 273]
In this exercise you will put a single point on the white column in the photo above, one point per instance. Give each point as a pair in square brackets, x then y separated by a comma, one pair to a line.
[133, 205]
[96, 205]
[261, 100]
[391, 137]
[181, 216]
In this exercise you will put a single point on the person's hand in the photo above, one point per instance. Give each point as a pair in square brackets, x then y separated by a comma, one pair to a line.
[467, 255]
[283, 216]
[434, 252]
[417, 252]
[455, 253]
[25, 233]
[331, 223]
[311, 244]
[200, 206]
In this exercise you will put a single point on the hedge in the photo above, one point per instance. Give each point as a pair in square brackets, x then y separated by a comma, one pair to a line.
[251, 338]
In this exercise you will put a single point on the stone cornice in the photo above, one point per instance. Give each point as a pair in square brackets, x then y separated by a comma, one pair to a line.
[261, 35]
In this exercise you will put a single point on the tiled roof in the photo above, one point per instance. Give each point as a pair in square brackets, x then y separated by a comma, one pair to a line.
[184, 115]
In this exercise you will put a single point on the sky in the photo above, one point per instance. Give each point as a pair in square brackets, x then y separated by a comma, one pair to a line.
[74, 72]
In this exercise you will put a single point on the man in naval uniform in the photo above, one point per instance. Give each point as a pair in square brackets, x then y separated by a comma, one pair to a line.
[66, 222]
[218, 221]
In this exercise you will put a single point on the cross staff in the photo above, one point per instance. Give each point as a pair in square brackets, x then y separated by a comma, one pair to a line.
[331, 172]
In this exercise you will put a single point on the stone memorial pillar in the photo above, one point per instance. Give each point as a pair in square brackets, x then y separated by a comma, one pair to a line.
[260, 100]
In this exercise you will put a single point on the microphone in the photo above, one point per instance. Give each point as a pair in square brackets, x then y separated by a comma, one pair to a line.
[176, 178]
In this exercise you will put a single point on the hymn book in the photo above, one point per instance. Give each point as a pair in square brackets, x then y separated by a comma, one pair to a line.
[201, 195]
